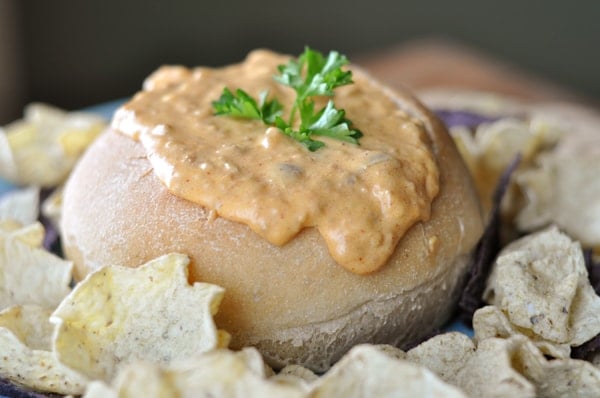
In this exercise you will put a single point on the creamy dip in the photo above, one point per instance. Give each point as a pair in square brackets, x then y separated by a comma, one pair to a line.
[362, 198]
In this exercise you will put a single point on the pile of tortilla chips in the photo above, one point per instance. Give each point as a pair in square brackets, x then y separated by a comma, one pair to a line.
[42, 148]
[124, 332]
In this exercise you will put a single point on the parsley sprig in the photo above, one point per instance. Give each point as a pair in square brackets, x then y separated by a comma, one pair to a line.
[243, 105]
[311, 75]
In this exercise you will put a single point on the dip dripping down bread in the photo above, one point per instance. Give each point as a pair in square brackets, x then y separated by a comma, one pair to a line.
[319, 249]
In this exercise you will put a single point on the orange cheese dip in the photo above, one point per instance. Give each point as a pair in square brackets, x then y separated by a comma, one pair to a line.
[362, 198]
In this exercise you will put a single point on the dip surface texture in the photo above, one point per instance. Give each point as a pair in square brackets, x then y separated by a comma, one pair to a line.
[361, 198]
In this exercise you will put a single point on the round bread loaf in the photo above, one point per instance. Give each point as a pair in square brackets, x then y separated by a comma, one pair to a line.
[294, 303]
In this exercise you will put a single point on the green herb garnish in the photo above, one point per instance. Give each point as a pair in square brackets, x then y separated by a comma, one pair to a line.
[311, 75]
[244, 106]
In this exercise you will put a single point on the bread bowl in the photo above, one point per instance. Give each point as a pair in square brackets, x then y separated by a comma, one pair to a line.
[292, 300]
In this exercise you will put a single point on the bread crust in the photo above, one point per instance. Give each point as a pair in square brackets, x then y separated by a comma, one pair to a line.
[293, 302]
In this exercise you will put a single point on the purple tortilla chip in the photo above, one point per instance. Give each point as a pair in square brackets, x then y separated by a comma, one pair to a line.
[593, 270]
[452, 118]
[486, 251]
[51, 238]
[8, 389]
[587, 350]
[590, 348]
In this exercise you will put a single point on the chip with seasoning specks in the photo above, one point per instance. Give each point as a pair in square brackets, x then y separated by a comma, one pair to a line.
[118, 315]
[540, 282]
[25, 352]
[218, 373]
[369, 371]
[489, 372]
[444, 354]
[490, 321]
[557, 378]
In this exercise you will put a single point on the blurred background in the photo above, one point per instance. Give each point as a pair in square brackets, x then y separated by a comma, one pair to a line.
[74, 53]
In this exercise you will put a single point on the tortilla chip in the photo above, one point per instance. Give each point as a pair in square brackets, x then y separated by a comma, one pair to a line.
[556, 377]
[20, 205]
[486, 250]
[444, 354]
[563, 190]
[492, 147]
[218, 373]
[29, 275]
[490, 372]
[52, 207]
[366, 371]
[118, 315]
[25, 352]
[391, 351]
[296, 376]
[490, 321]
[540, 282]
[32, 235]
[99, 389]
[8, 166]
[42, 148]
